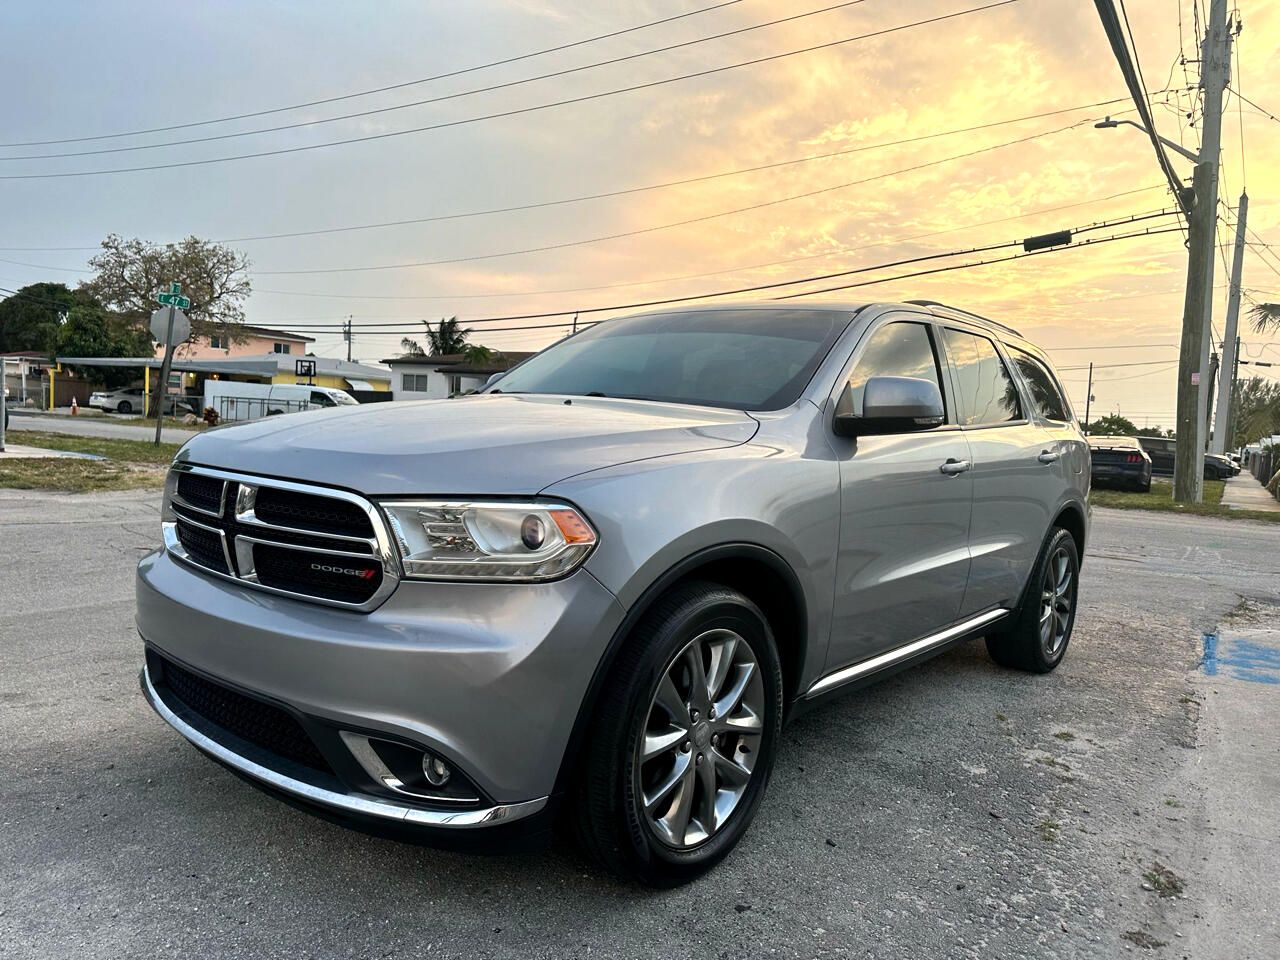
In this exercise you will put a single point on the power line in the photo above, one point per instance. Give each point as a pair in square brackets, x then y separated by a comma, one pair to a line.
[1020, 256]
[628, 190]
[1262, 110]
[385, 89]
[784, 283]
[517, 111]
[443, 97]
[665, 226]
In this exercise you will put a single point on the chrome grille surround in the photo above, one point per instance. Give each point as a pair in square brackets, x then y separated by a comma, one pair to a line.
[239, 529]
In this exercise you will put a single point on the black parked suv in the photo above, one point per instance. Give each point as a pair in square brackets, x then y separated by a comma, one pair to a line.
[1162, 451]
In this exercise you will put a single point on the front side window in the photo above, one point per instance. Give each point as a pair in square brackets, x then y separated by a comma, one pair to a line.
[1045, 395]
[742, 359]
[895, 350]
[321, 399]
[985, 392]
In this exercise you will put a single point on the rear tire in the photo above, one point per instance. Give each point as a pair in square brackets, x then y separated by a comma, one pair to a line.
[681, 748]
[1035, 638]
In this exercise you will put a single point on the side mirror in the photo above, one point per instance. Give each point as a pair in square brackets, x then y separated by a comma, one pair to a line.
[890, 405]
[493, 379]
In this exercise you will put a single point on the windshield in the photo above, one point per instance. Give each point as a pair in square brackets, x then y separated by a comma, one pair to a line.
[743, 359]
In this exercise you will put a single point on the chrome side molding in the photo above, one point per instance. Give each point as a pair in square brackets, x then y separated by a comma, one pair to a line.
[890, 657]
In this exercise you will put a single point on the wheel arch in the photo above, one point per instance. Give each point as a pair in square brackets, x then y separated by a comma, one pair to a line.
[757, 572]
[1071, 517]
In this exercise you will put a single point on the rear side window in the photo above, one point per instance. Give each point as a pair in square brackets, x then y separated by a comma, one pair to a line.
[1045, 395]
[984, 390]
[895, 350]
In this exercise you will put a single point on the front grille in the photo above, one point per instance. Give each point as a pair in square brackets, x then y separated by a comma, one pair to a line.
[203, 493]
[342, 578]
[202, 545]
[259, 723]
[309, 512]
[312, 543]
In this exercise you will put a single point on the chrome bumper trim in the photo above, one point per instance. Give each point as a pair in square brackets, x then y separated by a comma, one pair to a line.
[366, 806]
[890, 657]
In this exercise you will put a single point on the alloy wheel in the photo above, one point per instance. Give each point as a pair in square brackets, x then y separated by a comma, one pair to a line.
[1056, 600]
[702, 734]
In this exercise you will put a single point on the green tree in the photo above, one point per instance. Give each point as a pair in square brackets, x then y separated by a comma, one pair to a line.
[90, 331]
[412, 348]
[1255, 410]
[1266, 317]
[1112, 425]
[30, 318]
[476, 355]
[129, 273]
[447, 337]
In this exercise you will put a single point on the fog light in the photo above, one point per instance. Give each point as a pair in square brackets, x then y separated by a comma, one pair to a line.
[435, 770]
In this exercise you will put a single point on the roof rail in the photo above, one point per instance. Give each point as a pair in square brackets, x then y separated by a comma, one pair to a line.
[967, 313]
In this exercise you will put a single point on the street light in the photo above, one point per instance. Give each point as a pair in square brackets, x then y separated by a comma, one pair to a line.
[1175, 147]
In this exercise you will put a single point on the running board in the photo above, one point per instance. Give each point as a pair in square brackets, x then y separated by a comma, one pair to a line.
[890, 657]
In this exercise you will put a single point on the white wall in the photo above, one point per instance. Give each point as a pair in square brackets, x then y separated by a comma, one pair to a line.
[437, 383]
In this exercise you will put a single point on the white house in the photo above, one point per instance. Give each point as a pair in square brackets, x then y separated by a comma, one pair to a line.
[423, 377]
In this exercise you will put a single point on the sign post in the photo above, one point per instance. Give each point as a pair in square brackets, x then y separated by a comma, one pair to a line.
[170, 327]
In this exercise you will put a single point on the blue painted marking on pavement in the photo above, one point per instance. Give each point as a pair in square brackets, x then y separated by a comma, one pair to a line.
[1209, 661]
[1243, 659]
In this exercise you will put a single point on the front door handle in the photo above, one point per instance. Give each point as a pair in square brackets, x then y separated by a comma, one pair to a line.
[954, 467]
[1047, 456]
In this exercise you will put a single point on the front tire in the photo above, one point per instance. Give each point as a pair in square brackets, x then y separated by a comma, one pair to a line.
[1036, 637]
[124, 407]
[684, 738]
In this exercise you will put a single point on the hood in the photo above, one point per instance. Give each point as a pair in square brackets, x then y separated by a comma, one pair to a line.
[486, 444]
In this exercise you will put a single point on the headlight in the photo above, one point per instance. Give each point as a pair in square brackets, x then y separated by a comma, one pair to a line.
[494, 540]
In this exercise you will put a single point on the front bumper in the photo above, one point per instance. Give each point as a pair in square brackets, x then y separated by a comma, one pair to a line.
[489, 677]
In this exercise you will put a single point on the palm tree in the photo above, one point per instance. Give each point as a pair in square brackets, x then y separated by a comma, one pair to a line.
[1266, 316]
[411, 347]
[447, 337]
[476, 355]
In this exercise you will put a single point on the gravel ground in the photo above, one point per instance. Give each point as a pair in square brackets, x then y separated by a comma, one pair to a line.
[957, 810]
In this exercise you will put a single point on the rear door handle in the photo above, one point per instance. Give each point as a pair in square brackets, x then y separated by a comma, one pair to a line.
[954, 467]
[1047, 456]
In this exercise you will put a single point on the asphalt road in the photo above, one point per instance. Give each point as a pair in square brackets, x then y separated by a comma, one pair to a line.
[957, 810]
[119, 428]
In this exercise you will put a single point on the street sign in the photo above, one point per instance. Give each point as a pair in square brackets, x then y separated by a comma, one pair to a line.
[160, 326]
[304, 368]
[174, 298]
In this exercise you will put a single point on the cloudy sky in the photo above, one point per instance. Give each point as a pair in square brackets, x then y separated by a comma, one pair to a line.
[74, 70]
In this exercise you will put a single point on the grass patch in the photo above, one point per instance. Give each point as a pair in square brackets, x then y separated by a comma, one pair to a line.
[72, 475]
[1161, 498]
[1163, 880]
[125, 451]
[1064, 735]
[1050, 830]
[129, 464]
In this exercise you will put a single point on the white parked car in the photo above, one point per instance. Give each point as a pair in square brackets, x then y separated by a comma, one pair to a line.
[134, 400]
[128, 400]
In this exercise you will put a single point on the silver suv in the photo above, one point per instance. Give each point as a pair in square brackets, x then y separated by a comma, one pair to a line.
[594, 593]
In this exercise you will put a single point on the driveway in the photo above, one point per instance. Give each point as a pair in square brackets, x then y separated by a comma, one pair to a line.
[956, 810]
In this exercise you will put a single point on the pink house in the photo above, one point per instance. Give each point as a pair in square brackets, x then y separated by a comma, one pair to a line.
[257, 342]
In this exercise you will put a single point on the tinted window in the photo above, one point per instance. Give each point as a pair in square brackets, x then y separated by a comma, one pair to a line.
[743, 359]
[1044, 390]
[895, 350]
[321, 399]
[984, 390]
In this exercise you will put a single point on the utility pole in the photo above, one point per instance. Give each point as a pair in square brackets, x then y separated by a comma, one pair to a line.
[346, 335]
[1193, 397]
[1222, 435]
[1088, 399]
